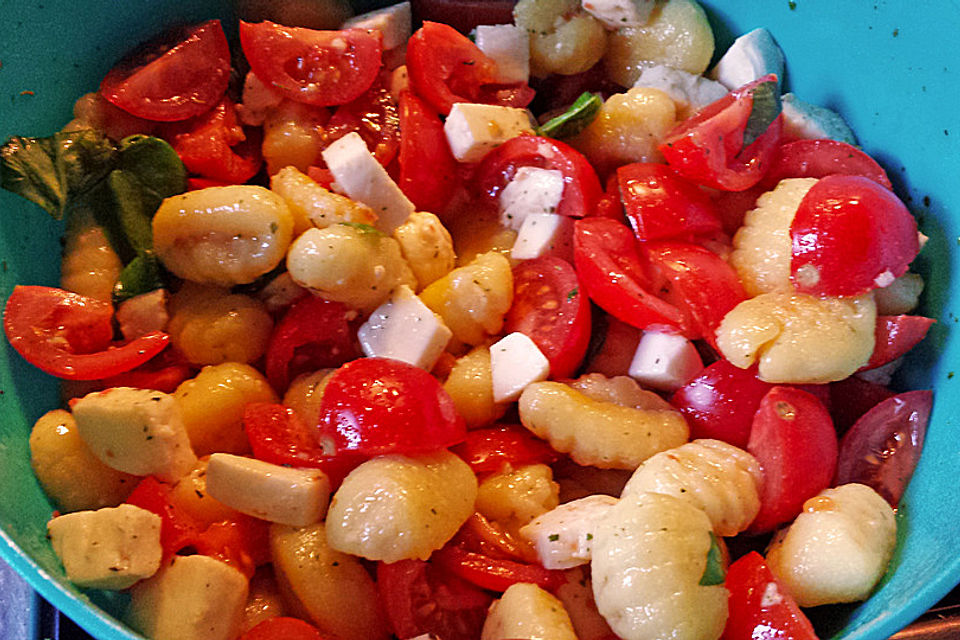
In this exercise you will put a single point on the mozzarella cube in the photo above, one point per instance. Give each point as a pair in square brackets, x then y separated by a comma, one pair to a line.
[136, 431]
[509, 46]
[296, 497]
[532, 190]
[751, 56]
[515, 362]
[664, 361]
[542, 234]
[405, 329]
[109, 548]
[394, 22]
[360, 177]
[563, 536]
[192, 598]
[615, 14]
[683, 87]
[809, 121]
[472, 130]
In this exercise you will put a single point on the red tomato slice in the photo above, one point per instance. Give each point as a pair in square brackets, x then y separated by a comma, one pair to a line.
[375, 406]
[581, 189]
[850, 235]
[322, 68]
[853, 397]
[283, 628]
[428, 170]
[242, 542]
[419, 597]
[611, 273]
[495, 574]
[882, 449]
[374, 116]
[446, 67]
[661, 204]
[760, 607]
[177, 529]
[610, 204]
[721, 401]
[793, 439]
[822, 158]
[895, 336]
[313, 333]
[165, 379]
[549, 307]
[177, 76]
[68, 335]
[490, 450]
[482, 536]
[709, 149]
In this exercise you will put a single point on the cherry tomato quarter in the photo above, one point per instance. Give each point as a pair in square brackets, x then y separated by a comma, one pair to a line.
[895, 336]
[491, 449]
[853, 397]
[428, 171]
[177, 529]
[760, 607]
[821, 158]
[374, 116]
[495, 574]
[661, 204]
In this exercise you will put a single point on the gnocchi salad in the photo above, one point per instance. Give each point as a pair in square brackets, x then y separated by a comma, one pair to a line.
[379, 332]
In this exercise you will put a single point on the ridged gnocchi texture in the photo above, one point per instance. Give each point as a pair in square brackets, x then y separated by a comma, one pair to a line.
[314, 206]
[292, 135]
[527, 612]
[427, 247]
[596, 433]
[677, 34]
[621, 390]
[472, 300]
[356, 265]
[210, 325]
[563, 537]
[70, 474]
[89, 265]
[837, 549]
[564, 39]
[762, 247]
[470, 385]
[305, 394]
[514, 497]
[649, 555]
[627, 129]
[397, 507]
[719, 478]
[797, 338]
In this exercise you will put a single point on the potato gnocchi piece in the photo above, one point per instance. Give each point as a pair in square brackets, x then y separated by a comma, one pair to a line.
[470, 385]
[527, 612]
[901, 297]
[798, 338]
[263, 601]
[621, 390]
[563, 537]
[292, 135]
[191, 496]
[719, 478]
[515, 497]
[837, 549]
[222, 235]
[356, 265]
[427, 247]
[677, 34]
[762, 247]
[564, 39]
[305, 394]
[600, 434]
[397, 507]
[649, 555]
[478, 231]
[314, 206]
[89, 265]
[280, 293]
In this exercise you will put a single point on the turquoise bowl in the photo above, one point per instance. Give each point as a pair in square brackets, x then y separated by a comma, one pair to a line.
[889, 67]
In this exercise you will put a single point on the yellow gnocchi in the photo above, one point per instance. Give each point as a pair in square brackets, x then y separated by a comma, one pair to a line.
[564, 39]
[291, 136]
[314, 206]
[89, 265]
[470, 385]
[427, 247]
[515, 497]
[525, 611]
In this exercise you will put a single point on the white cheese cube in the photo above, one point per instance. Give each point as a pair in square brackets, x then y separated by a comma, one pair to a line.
[615, 14]
[809, 121]
[563, 536]
[109, 548]
[191, 598]
[542, 234]
[405, 329]
[532, 190]
[683, 87]
[751, 56]
[509, 46]
[665, 361]
[474, 129]
[360, 177]
[394, 22]
[399, 81]
[515, 362]
[136, 431]
[296, 497]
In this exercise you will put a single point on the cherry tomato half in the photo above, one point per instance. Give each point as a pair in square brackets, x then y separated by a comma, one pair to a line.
[283, 628]
[821, 158]
[661, 204]
[177, 529]
[491, 449]
[895, 336]
[760, 607]
[374, 116]
[428, 170]
[853, 397]
[495, 574]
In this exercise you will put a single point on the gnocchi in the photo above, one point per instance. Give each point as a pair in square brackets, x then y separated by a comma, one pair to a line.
[515, 497]
[563, 38]
[427, 246]
[470, 385]
[525, 611]
[89, 265]
[314, 206]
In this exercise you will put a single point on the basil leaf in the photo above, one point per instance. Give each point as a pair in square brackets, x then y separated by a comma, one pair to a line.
[129, 201]
[766, 107]
[156, 166]
[575, 119]
[142, 275]
[56, 172]
[714, 573]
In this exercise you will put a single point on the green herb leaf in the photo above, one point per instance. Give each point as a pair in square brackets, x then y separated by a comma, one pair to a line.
[58, 171]
[365, 229]
[156, 166]
[129, 203]
[714, 573]
[142, 275]
[766, 107]
[575, 119]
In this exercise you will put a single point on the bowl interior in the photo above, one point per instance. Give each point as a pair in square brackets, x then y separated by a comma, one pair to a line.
[888, 68]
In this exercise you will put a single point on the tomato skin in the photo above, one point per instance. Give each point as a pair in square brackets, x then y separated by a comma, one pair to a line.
[283, 628]
[895, 336]
[490, 449]
[68, 335]
[661, 204]
[882, 448]
[165, 379]
[464, 15]
[482, 536]
[428, 170]
[849, 232]
[754, 614]
[793, 438]
[853, 397]
[177, 529]
[821, 158]
[581, 190]
[322, 68]
[495, 574]
[549, 307]
[242, 542]
[376, 406]
[177, 76]
[374, 116]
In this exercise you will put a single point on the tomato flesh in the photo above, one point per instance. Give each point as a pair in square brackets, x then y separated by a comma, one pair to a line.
[177, 529]
[428, 171]
[490, 450]
[821, 158]
[661, 204]
[374, 116]
[283, 628]
[495, 574]
[760, 607]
